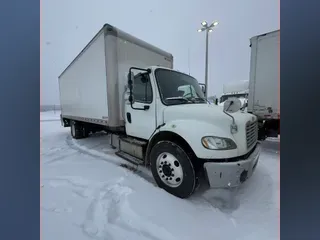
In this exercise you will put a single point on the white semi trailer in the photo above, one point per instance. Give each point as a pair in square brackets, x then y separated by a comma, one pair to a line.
[264, 86]
[127, 87]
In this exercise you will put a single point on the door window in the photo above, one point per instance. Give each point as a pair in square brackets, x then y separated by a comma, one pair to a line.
[142, 90]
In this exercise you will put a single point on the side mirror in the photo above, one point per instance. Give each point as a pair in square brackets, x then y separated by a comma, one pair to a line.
[232, 105]
[131, 77]
[130, 80]
[203, 88]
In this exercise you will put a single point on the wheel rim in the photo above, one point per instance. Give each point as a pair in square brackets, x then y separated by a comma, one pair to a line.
[169, 169]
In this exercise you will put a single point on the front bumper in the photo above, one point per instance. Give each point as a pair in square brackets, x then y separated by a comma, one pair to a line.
[231, 174]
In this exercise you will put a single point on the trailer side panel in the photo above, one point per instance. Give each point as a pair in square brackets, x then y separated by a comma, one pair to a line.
[83, 85]
[265, 76]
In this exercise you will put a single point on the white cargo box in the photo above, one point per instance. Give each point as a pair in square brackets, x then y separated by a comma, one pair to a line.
[264, 90]
[92, 86]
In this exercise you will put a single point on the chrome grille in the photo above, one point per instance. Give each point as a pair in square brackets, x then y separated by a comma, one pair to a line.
[251, 133]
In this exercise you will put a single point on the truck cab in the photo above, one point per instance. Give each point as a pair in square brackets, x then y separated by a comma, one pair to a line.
[184, 135]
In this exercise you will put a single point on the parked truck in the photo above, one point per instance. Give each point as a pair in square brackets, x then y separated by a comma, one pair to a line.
[264, 86]
[237, 89]
[128, 88]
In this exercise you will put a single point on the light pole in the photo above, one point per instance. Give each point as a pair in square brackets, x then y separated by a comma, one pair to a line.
[207, 28]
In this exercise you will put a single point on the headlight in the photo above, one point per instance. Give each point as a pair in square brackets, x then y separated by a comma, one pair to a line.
[218, 143]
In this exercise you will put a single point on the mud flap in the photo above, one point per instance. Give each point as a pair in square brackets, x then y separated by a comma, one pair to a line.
[262, 134]
[64, 122]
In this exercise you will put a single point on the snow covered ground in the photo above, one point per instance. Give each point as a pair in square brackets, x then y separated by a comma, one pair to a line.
[86, 195]
[50, 115]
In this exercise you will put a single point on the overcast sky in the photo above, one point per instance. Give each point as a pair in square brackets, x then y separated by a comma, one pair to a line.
[68, 25]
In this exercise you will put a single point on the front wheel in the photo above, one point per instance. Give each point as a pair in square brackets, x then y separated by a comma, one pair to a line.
[172, 169]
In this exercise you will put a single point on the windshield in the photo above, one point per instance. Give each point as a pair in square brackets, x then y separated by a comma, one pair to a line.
[225, 97]
[178, 88]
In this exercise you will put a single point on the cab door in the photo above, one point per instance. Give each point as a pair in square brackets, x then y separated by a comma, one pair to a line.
[140, 114]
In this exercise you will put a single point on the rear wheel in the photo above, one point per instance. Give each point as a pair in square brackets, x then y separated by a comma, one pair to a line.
[172, 169]
[77, 130]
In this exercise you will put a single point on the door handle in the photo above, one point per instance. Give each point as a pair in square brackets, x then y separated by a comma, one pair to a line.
[146, 107]
[129, 117]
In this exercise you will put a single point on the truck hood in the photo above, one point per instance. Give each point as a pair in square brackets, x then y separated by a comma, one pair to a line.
[213, 114]
[202, 112]
[209, 113]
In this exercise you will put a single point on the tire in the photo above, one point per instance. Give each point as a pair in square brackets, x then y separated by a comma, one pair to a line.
[76, 130]
[172, 169]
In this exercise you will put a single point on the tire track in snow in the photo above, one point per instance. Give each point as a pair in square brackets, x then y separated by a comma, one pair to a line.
[101, 213]
[59, 158]
[56, 210]
[109, 216]
[114, 207]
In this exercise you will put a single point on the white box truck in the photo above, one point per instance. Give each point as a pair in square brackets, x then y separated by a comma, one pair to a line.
[237, 89]
[127, 87]
[264, 86]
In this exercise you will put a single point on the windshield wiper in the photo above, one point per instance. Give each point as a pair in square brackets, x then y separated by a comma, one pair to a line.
[197, 99]
[200, 98]
[178, 98]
